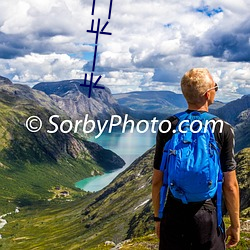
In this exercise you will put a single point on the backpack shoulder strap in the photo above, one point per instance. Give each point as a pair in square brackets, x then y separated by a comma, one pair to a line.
[207, 116]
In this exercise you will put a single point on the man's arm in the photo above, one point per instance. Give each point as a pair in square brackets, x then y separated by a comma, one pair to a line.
[231, 195]
[157, 178]
[156, 187]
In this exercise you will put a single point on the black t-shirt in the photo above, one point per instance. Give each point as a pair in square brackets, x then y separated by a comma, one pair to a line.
[225, 141]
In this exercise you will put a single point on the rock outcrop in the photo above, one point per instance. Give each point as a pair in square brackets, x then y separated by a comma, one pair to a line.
[73, 99]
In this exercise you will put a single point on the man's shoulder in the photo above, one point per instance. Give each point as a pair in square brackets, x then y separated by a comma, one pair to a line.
[226, 127]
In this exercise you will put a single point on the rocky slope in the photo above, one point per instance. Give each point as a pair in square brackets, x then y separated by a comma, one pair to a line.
[237, 114]
[73, 99]
[242, 130]
[243, 175]
[4, 80]
[232, 110]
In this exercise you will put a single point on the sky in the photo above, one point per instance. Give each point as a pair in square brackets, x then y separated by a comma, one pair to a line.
[153, 43]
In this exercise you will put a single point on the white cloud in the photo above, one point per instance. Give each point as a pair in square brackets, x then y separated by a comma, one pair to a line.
[34, 68]
[131, 81]
[151, 46]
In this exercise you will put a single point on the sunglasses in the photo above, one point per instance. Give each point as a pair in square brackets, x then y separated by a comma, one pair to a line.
[216, 87]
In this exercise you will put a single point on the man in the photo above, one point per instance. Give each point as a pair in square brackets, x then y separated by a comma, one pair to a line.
[194, 225]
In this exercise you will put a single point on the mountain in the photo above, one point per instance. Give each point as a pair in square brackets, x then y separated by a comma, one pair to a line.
[4, 80]
[162, 102]
[73, 99]
[237, 114]
[243, 174]
[32, 163]
[149, 104]
[216, 105]
[242, 130]
[232, 110]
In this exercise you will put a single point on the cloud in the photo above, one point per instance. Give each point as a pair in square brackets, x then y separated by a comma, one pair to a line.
[34, 68]
[153, 43]
[12, 45]
[231, 45]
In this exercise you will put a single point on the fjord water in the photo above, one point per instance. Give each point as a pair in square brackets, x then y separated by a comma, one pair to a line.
[128, 146]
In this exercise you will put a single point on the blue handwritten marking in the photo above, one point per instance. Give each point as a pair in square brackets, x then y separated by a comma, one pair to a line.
[91, 83]
[96, 37]
[97, 32]
[110, 8]
[93, 8]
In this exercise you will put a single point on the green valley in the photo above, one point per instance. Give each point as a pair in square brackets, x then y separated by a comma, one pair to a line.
[120, 213]
[32, 163]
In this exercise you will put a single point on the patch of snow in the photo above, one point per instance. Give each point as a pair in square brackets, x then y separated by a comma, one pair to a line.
[139, 174]
[2, 223]
[143, 186]
[142, 204]
[109, 243]
[4, 215]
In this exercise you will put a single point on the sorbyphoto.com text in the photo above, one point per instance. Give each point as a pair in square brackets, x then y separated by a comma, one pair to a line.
[87, 126]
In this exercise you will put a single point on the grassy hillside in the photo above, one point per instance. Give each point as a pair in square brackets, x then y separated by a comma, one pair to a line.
[150, 242]
[86, 222]
[54, 225]
[243, 175]
[120, 212]
[32, 163]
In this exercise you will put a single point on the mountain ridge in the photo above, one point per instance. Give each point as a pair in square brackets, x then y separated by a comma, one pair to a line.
[237, 113]
[230, 111]
[150, 104]
[71, 97]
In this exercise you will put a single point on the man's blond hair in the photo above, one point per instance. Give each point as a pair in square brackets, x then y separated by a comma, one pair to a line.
[195, 83]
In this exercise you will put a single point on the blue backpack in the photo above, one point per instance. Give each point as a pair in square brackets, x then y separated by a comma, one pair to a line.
[191, 162]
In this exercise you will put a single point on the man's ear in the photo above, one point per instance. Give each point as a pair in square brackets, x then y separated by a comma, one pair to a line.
[207, 95]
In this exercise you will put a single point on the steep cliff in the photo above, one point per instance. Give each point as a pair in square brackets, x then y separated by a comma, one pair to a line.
[73, 99]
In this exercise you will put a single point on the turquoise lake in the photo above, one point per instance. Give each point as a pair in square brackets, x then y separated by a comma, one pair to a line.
[129, 146]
